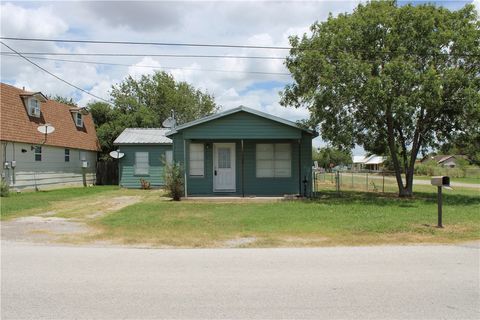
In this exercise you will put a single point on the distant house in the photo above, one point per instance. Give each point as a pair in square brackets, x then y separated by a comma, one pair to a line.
[31, 159]
[145, 152]
[448, 161]
[244, 152]
[372, 162]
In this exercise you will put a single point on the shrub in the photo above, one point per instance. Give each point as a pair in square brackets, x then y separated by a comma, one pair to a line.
[144, 184]
[4, 188]
[174, 180]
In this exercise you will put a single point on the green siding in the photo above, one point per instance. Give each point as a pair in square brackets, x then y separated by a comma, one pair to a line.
[156, 155]
[251, 129]
[242, 125]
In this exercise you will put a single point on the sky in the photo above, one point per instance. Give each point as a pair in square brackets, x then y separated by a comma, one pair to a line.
[267, 23]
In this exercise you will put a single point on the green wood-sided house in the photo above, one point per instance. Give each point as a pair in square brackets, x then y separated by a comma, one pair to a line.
[244, 152]
[145, 152]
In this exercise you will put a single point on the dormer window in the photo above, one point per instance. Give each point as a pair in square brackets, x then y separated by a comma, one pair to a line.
[78, 119]
[34, 107]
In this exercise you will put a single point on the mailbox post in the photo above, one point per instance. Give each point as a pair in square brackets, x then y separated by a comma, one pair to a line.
[440, 182]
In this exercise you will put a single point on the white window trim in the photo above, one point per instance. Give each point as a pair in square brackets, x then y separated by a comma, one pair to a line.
[142, 169]
[275, 161]
[34, 109]
[78, 116]
[66, 155]
[35, 153]
[196, 171]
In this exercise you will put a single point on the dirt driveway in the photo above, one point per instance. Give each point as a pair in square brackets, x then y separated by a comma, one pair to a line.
[60, 223]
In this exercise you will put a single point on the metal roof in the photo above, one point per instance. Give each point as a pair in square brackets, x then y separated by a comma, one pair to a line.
[235, 110]
[143, 136]
[373, 159]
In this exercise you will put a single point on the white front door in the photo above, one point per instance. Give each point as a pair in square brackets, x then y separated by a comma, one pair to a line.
[224, 167]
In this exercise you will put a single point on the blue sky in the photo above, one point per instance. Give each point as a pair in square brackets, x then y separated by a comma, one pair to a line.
[253, 22]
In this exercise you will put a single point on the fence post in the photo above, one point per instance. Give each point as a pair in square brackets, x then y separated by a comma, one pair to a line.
[367, 180]
[352, 180]
[383, 184]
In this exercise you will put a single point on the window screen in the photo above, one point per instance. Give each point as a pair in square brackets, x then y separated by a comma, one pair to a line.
[274, 160]
[196, 160]
[141, 163]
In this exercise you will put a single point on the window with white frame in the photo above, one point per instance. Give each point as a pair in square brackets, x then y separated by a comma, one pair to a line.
[38, 153]
[197, 163]
[34, 107]
[82, 156]
[141, 163]
[78, 119]
[169, 156]
[67, 155]
[274, 160]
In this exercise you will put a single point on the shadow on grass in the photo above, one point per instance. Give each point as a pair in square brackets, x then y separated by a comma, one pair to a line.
[388, 199]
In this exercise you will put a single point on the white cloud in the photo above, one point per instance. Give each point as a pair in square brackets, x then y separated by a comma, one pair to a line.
[258, 23]
[476, 3]
[35, 22]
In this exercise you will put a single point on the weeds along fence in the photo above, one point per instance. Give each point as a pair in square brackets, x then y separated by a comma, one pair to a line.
[356, 181]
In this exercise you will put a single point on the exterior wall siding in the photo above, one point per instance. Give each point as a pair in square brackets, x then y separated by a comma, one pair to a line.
[241, 125]
[156, 154]
[52, 170]
[246, 182]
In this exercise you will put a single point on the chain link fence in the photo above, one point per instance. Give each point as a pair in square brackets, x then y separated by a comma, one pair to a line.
[356, 181]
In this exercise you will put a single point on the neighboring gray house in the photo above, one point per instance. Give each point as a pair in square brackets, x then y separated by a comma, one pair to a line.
[145, 152]
[29, 159]
[372, 162]
[448, 161]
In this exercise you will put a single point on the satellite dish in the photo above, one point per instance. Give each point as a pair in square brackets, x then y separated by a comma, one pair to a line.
[46, 129]
[169, 122]
[116, 154]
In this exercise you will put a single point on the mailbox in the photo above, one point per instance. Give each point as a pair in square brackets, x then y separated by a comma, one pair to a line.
[441, 181]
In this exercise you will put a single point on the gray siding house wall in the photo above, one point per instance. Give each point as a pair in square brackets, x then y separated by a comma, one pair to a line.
[48, 168]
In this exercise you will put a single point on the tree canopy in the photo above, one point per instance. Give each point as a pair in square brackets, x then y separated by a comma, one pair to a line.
[397, 80]
[145, 103]
[329, 157]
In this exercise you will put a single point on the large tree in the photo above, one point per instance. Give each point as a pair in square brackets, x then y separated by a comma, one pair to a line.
[145, 103]
[395, 79]
[328, 156]
[160, 93]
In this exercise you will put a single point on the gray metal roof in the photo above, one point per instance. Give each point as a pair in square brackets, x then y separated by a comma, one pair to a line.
[143, 136]
[235, 110]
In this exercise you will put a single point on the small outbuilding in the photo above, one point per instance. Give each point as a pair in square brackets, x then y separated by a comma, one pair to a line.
[145, 153]
[244, 152]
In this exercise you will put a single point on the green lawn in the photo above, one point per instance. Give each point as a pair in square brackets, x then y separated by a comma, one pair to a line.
[354, 218]
[30, 202]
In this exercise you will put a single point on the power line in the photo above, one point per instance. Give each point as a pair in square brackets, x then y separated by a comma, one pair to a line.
[209, 45]
[53, 75]
[156, 67]
[149, 55]
[175, 44]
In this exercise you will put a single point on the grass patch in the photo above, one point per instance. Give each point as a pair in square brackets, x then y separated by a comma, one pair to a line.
[354, 218]
[27, 203]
